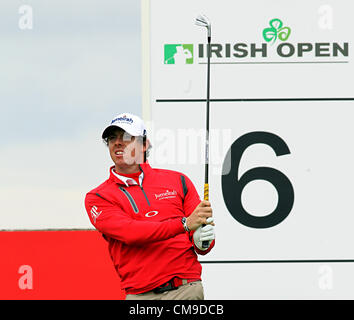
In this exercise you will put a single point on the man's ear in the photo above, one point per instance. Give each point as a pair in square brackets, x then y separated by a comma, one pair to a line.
[146, 144]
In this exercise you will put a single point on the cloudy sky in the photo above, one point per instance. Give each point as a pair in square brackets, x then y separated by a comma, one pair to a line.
[61, 82]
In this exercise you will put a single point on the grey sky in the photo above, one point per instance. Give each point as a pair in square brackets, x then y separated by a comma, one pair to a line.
[79, 64]
[61, 83]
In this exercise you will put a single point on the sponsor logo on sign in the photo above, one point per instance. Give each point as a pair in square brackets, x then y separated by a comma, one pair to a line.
[276, 33]
[178, 54]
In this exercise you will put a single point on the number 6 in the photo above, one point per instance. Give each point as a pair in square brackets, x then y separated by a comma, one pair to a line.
[232, 185]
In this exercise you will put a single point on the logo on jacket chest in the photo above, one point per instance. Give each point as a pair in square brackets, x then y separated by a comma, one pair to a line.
[166, 195]
[151, 214]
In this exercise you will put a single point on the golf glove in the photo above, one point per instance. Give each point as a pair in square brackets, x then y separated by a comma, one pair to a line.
[205, 233]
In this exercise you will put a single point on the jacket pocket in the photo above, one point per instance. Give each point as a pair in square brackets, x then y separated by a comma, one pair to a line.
[131, 199]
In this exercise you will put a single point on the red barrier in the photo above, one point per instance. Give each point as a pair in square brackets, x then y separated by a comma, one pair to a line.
[60, 265]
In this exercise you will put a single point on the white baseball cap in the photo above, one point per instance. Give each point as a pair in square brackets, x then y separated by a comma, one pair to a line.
[129, 123]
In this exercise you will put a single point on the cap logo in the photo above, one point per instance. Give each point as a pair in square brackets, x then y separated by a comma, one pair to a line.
[122, 119]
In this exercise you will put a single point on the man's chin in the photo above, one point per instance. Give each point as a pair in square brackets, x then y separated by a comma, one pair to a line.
[124, 164]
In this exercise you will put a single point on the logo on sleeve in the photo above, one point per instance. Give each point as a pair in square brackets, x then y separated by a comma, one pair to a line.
[94, 213]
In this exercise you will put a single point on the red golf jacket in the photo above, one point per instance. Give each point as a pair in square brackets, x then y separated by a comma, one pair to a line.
[142, 224]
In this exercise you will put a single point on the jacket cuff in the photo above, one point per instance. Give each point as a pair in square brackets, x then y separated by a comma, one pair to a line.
[176, 226]
[203, 252]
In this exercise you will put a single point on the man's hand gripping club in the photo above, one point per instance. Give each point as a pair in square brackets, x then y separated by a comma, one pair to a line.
[202, 215]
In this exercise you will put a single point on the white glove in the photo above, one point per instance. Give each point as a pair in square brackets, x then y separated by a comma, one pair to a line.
[205, 233]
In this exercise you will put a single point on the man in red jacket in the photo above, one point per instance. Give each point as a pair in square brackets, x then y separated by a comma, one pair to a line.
[151, 218]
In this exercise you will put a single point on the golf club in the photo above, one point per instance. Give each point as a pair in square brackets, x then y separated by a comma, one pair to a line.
[203, 21]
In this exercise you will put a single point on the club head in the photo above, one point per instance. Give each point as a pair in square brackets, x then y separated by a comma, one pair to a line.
[203, 21]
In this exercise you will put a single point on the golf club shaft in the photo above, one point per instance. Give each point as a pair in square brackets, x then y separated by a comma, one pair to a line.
[206, 181]
[205, 244]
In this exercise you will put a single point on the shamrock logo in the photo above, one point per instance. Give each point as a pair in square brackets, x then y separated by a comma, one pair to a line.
[276, 31]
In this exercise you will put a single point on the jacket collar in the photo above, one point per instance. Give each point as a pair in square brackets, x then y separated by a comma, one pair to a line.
[114, 176]
[145, 167]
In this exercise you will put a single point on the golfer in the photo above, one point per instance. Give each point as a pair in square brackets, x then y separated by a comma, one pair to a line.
[152, 219]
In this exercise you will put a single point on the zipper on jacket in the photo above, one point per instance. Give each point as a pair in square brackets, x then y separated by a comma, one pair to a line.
[142, 189]
[131, 199]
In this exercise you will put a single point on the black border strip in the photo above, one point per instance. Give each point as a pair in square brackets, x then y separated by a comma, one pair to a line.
[255, 99]
[277, 261]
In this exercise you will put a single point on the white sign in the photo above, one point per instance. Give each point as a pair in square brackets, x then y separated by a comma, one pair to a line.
[281, 156]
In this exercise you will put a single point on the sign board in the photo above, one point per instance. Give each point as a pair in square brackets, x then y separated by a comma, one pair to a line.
[281, 155]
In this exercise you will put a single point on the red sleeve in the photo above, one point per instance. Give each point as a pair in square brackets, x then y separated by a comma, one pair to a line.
[112, 221]
[191, 201]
